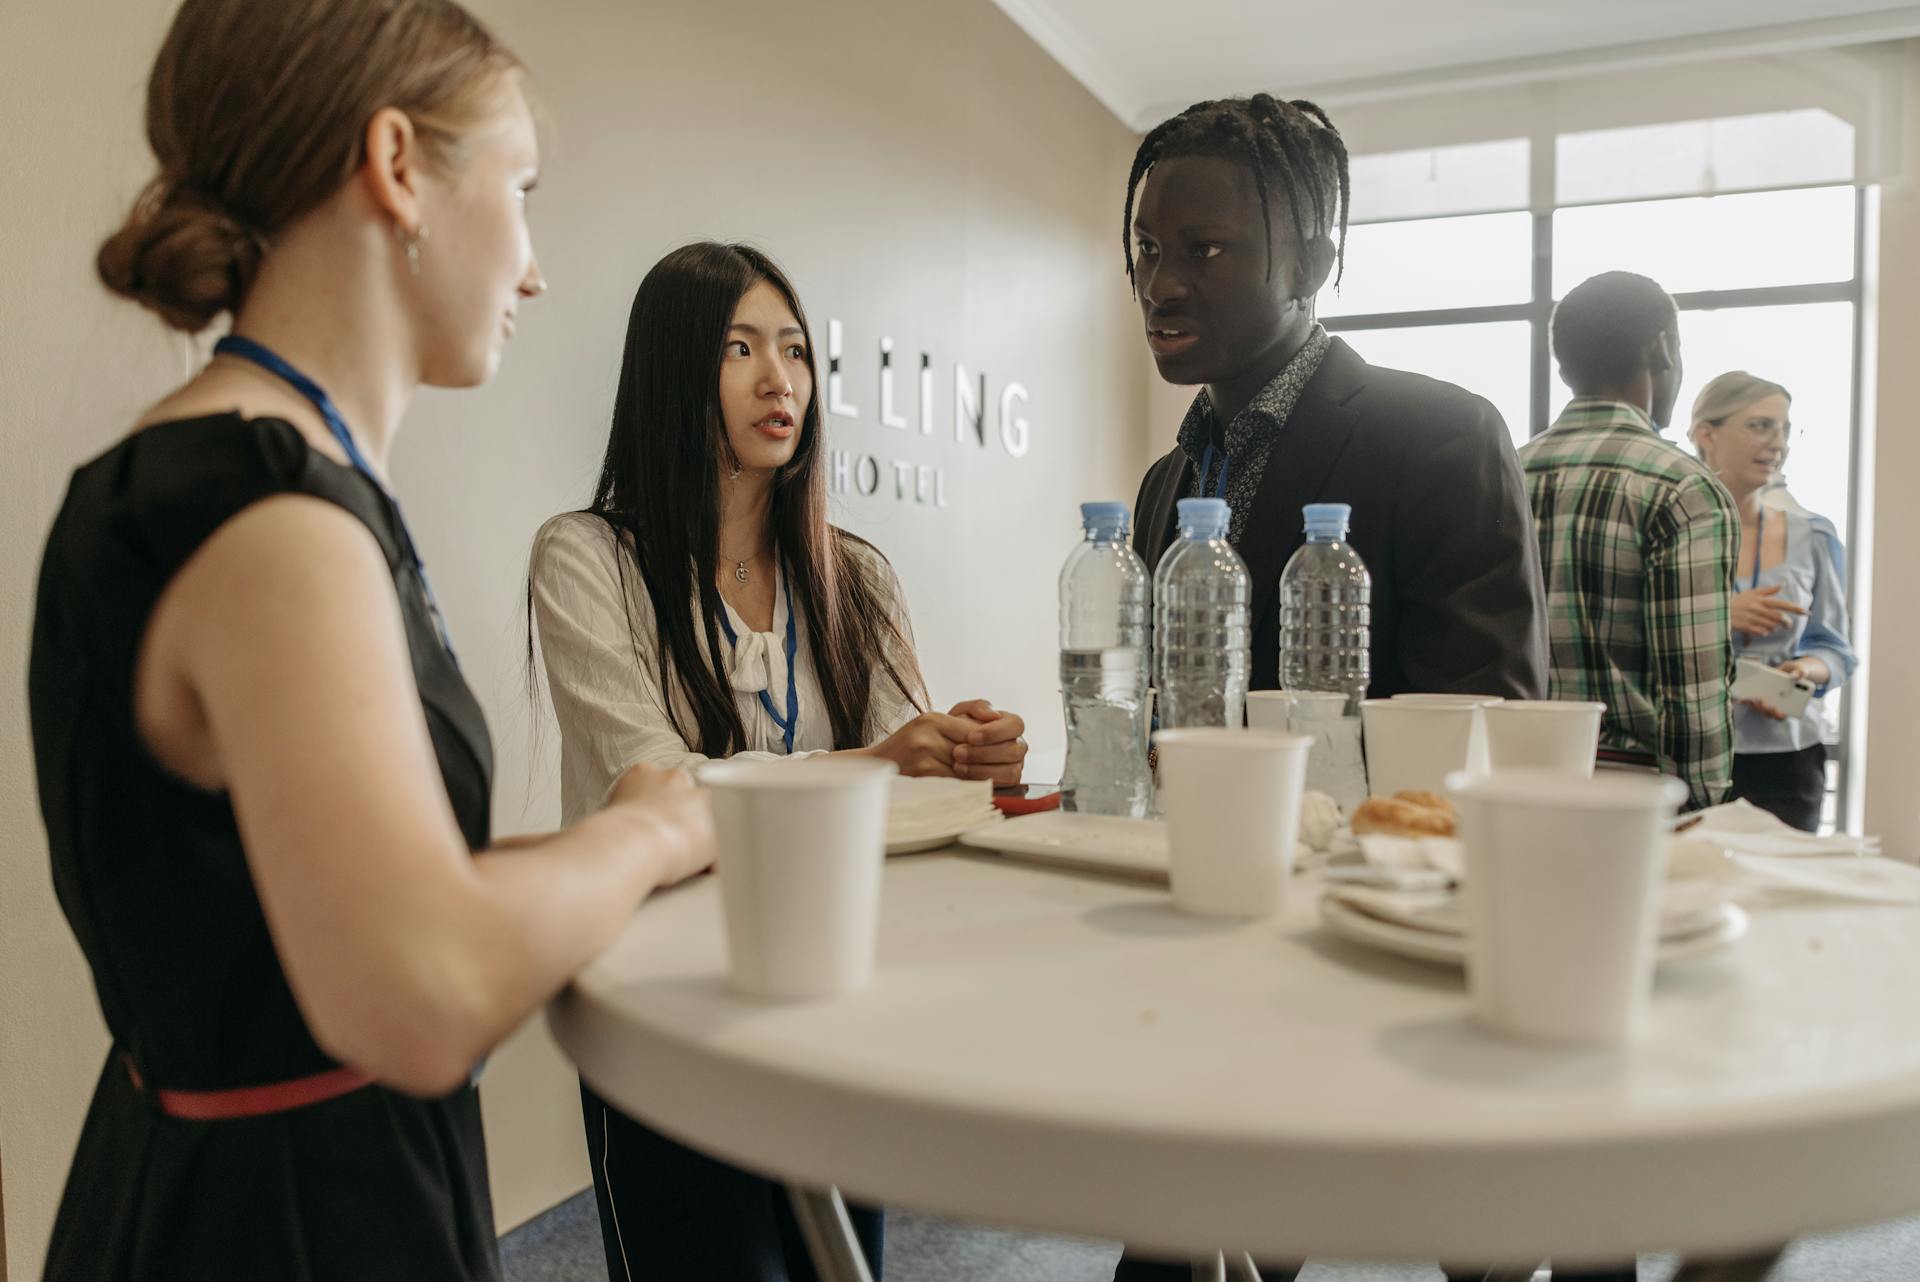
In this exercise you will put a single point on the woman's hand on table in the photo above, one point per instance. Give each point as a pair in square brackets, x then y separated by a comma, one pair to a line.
[674, 813]
[993, 747]
[1758, 612]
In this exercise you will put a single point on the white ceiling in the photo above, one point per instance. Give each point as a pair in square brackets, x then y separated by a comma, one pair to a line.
[1146, 59]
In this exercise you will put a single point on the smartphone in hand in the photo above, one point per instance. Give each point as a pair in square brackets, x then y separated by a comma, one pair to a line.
[1755, 680]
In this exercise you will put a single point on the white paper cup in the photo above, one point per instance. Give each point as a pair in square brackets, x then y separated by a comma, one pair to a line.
[1543, 734]
[1232, 801]
[1478, 700]
[1413, 744]
[1562, 889]
[1479, 754]
[1268, 709]
[1336, 764]
[801, 846]
[1315, 705]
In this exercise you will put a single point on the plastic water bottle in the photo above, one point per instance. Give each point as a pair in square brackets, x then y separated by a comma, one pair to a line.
[1201, 623]
[1324, 610]
[1103, 669]
[1324, 615]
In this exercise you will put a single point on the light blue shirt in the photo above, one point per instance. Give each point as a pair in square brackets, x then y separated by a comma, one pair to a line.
[1811, 575]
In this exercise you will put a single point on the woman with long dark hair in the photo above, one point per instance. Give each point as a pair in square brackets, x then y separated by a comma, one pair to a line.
[702, 607]
[266, 783]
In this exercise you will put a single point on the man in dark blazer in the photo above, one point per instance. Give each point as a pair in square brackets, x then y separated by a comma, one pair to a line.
[1229, 243]
[1227, 247]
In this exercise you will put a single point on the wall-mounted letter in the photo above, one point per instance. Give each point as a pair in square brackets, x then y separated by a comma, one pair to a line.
[969, 407]
[835, 405]
[926, 394]
[1014, 432]
[887, 417]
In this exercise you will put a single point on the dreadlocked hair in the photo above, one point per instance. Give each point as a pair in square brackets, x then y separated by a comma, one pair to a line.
[1292, 144]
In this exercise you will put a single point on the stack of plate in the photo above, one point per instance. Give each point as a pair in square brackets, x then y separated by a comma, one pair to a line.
[925, 814]
[1430, 926]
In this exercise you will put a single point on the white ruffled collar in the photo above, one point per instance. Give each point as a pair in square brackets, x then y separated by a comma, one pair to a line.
[760, 658]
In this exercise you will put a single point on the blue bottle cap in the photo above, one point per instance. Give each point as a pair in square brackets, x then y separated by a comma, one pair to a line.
[1104, 521]
[1327, 520]
[1203, 518]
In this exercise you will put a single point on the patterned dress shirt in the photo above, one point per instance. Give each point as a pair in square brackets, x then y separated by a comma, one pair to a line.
[1638, 542]
[1234, 473]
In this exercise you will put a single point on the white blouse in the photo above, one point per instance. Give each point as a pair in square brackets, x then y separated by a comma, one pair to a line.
[603, 672]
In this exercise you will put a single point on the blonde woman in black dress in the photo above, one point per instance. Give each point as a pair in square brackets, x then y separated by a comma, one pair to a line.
[264, 780]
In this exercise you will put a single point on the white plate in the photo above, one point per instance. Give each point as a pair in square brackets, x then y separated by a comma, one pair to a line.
[1686, 907]
[916, 844]
[1134, 848]
[1440, 949]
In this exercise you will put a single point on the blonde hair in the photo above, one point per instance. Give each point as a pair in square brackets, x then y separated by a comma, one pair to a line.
[1726, 396]
[257, 112]
[1730, 393]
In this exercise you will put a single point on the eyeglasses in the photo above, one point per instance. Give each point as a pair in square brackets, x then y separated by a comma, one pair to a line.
[1760, 428]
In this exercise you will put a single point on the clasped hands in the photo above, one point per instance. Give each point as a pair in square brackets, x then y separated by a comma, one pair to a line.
[973, 741]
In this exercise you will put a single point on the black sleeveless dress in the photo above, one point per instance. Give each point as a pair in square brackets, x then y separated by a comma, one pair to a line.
[150, 873]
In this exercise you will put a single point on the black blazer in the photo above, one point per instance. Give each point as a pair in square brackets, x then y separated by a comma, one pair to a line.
[1440, 516]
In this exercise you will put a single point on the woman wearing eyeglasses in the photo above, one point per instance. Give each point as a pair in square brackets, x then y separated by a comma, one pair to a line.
[1790, 605]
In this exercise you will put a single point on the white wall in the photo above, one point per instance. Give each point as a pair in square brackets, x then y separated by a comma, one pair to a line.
[923, 171]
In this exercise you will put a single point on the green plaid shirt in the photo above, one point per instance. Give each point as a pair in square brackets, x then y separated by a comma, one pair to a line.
[1638, 542]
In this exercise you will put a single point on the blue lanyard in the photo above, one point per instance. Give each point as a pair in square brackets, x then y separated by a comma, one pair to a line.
[793, 692]
[1206, 466]
[247, 350]
[1759, 544]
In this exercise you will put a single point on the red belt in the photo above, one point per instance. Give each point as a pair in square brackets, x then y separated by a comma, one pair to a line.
[252, 1101]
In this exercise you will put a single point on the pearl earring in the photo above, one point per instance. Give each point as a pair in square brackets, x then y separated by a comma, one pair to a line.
[411, 242]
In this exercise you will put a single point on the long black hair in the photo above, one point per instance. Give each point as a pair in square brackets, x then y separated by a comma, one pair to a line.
[659, 490]
[1292, 145]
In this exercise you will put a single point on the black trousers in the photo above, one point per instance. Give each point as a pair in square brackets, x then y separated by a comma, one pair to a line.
[670, 1214]
[1787, 785]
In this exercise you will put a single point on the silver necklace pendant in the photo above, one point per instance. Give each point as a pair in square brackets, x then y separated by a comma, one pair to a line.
[740, 571]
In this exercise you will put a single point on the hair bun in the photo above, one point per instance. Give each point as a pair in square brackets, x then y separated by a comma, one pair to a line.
[182, 255]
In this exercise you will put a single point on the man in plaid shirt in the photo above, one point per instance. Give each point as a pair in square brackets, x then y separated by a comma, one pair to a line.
[1638, 542]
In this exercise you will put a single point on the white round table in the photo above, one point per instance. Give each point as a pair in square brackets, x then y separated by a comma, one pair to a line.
[1070, 1054]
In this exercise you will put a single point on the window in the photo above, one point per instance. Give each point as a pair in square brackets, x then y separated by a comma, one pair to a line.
[1493, 359]
[1756, 240]
[1435, 263]
[1806, 348]
[1808, 148]
[1751, 222]
[1477, 178]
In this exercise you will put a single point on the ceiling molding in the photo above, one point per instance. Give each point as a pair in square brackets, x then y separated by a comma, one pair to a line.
[1866, 28]
[1095, 74]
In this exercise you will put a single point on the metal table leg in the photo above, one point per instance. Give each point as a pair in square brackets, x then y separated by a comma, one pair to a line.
[1209, 1268]
[1220, 1268]
[828, 1232]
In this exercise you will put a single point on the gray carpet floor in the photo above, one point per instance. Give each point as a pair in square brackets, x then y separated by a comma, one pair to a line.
[564, 1246]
